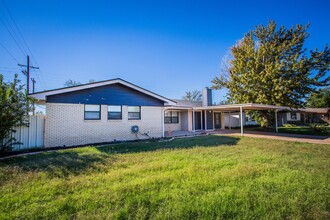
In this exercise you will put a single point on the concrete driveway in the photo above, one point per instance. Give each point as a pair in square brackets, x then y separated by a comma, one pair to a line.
[277, 136]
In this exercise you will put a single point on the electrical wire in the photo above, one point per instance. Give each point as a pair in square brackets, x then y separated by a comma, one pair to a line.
[25, 43]
[11, 55]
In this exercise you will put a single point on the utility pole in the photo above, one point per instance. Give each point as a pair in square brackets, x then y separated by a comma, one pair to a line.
[27, 73]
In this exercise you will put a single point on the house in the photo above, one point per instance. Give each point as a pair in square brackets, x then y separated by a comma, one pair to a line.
[304, 115]
[116, 110]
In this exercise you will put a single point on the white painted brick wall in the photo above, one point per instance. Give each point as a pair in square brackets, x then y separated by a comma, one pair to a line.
[173, 126]
[65, 125]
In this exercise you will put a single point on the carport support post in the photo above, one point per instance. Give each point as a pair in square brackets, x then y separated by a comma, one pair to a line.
[276, 126]
[205, 122]
[193, 120]
[229, 113]
[241, 117]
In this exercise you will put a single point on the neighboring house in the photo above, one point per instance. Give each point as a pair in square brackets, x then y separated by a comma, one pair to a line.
[304, 115]
[112, 110]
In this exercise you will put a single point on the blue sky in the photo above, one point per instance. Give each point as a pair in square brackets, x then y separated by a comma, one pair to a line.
[168, 47]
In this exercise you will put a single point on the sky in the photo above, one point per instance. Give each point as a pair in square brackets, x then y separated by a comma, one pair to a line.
[168, 47]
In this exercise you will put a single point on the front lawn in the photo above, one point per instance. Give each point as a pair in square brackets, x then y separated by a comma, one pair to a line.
[203, 177]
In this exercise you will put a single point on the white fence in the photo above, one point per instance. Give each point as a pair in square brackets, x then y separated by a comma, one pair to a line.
[31, 136]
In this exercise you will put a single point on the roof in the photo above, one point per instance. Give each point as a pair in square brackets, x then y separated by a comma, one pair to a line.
[315, 110]
[245, 106]
[187, 103]
[183, 104]
[44, 94]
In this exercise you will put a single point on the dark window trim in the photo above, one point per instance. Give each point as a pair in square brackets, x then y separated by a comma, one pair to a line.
[170, 121]
[99, 118]
[121, 113]
[134, 112]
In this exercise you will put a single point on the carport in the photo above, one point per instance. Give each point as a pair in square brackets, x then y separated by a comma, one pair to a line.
[238, 108]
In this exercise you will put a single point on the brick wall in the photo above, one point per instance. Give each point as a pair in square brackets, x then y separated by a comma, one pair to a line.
[65, 125]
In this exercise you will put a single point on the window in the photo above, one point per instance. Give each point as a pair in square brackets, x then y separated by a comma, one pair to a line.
[92, 112]
[114, 112]
[293, 115]
[171, 117]
[134, 112]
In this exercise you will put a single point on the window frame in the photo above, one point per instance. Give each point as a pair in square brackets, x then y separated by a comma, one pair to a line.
[171, 118]
[121, 113]
[92, 119]
[133, 112]
[293, 115]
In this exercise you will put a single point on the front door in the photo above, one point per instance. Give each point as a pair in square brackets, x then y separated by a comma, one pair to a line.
[198, 123]
[217, 120]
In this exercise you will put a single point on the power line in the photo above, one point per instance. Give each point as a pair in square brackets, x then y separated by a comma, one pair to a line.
[11, 55]
[18, 45]
[19, 31]
[25, 43]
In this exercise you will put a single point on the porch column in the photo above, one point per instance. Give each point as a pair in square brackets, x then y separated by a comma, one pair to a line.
[193, 120]
[201, 119]
[163, 123]
[223, 118]
[276, 126]
[241, 117]
[205, 124]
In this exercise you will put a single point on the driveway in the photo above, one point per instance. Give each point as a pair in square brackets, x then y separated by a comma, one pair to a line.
[277, 136]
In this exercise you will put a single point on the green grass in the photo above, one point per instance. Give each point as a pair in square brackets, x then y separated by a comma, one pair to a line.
[306, 130]
[197, 178]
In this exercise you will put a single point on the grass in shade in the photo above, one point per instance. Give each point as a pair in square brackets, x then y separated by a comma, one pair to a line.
[194, 178]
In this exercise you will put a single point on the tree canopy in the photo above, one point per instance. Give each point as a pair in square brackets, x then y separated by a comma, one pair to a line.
[319, 99]
[71, 82]
[270, 65]
[193, 96]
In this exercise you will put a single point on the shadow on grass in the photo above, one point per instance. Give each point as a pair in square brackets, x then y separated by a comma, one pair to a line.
[61, 163]
[179, 143]
[78, 161]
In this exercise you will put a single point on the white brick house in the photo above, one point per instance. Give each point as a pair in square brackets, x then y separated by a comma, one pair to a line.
[106, 111]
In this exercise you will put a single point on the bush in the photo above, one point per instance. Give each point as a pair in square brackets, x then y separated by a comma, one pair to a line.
[14, 107]
[289, 125]
[318, 127]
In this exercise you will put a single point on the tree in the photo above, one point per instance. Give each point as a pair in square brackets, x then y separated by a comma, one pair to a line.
[271, 66]
[14, 107]
[71, 82]
[193, 96]
[319, 99]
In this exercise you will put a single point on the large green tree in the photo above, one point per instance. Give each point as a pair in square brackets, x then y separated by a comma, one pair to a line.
[270, 65]
[14, 108]
[319, 99]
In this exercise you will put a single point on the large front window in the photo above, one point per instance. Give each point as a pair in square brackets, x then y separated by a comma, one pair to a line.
[134, 112]
[92, 112]
[114, 112]
[171, 117]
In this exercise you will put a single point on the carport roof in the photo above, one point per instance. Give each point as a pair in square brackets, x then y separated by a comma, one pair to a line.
[247, 106]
